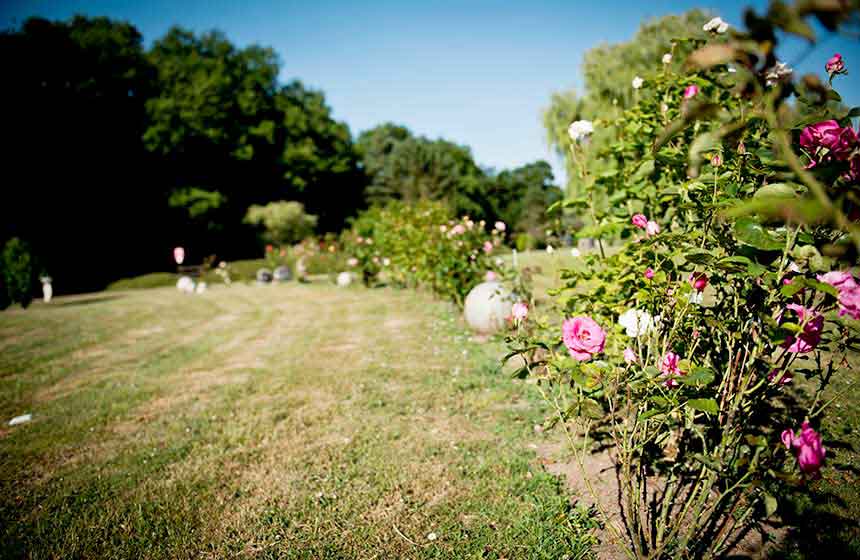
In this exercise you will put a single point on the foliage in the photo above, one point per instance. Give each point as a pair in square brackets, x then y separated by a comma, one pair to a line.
[727, 290]
[609, 71]
[195, 130]
[283, 222]
[19, 272]
[423, 245]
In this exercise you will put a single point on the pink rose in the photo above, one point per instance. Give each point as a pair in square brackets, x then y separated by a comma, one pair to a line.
[583, 337]
[669, 367]
[849, 302]
[352, 261]
[827, 141]
[652, 228]
[813, 323]
[488, 247]
[649, 273]
[490, 276]
[500, 226]
[640, 221]
[630, 356]
[835, 65]
[519, 311]
[691, 91]
[807, 449]
[774, 375]
[698, 280]
[838, 279]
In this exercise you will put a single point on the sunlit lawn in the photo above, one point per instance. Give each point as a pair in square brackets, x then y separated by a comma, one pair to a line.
[296, 421]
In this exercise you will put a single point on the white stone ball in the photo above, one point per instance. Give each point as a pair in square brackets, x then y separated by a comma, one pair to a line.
[185, 284]
[488, 306]
[344, 279]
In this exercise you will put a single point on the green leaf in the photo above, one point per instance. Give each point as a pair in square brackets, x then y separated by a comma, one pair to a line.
[704, 405]
[699, 256]
[699, 377]
[748, 231]
[770, 504]
[776, 190]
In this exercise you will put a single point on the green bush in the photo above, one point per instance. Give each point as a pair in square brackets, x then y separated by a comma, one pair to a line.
[283, 222]
[737, 279]
[422, 244]
[19, 272]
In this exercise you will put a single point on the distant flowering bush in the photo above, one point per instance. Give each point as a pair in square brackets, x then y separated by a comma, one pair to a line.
[732, 191]
[422, 245]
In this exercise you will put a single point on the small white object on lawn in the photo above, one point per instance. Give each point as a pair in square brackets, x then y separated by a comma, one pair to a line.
[23, 419]
[488, 307]
[574, 252]
[201, 287]
[185, 284]
[431, 536]
[344, 279]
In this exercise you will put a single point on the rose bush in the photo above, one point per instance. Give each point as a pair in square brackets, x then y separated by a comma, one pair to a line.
[423, 245]
[735, 280]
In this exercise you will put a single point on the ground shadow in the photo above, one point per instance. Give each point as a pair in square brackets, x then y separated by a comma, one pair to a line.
[86, 300]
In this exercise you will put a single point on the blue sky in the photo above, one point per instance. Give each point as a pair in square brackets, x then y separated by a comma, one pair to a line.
[477, 72]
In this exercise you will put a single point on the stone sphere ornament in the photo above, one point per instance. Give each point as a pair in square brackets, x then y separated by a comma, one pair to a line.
[488, 307]
[344, 279]
[185, 284]
[264, 276]
[283, 274]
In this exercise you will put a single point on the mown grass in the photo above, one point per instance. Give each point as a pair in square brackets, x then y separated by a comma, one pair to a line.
[292, 421]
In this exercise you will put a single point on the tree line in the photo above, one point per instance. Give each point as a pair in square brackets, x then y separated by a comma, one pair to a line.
[116, 153]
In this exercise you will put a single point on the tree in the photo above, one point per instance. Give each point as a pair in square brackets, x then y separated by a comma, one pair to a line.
[284, 222]
[609, 71]
[73, 114]
[405, 167]
[19, 273]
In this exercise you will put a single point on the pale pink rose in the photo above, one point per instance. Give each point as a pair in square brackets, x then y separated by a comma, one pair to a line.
[669, 367]
[849, 302]
[583, 337]
[490, 276]
[519, 311]
[691, 91]
[352, 261]
[630, 356]
[838, 279]
[640, 221]
[649, 273]
[488, 247]
[500, 226]
[652, 228]
[458, 229]
[179, 255]
[698, 280]
[807, 340]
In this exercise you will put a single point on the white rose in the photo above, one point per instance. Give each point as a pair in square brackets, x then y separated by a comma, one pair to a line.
[579, 130]
[667, 58]
[636, 322]
[717, 25]
[637, 82]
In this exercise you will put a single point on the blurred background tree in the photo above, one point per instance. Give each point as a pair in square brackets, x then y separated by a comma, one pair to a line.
[608, 72]
[283, 223]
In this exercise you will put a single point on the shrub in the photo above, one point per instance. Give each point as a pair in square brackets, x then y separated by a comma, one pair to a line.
[284, 222]
[423, 245]
[678, 350]
[19, 273]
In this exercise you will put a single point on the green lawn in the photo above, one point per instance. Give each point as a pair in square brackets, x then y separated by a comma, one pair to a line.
[293, 421]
